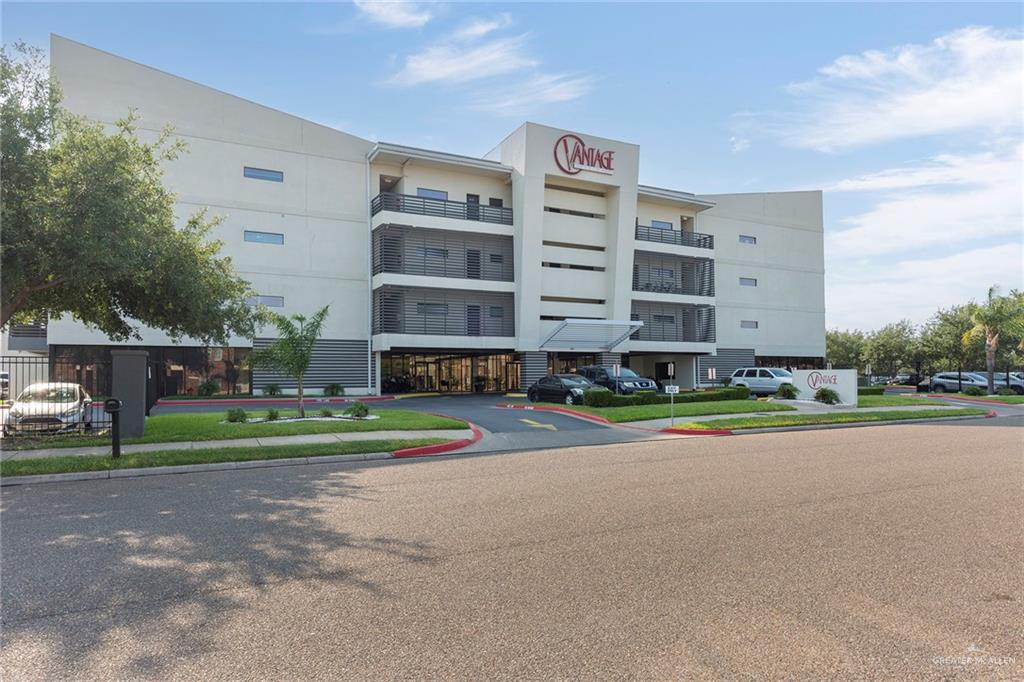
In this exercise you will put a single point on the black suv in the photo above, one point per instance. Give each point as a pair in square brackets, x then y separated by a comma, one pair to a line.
[628, 381]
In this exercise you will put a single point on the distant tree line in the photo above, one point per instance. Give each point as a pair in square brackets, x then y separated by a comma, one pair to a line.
[970, 337]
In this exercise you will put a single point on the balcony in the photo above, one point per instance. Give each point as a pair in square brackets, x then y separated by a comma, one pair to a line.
[674, 323]
[440, 208]
[441, 253]
[27, 337]
[660, 235]
[668, 274]
[442, 312]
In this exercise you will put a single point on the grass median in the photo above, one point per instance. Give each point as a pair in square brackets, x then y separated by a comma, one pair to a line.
[200, 426]
[635, 413]
[851, 417]
[869, 401]
[1005, 399]
[161, 458]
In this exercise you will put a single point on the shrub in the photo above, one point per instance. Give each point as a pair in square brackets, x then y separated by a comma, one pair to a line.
[237, 415]
[272, 389]
[598, 397]
[974, 390]
[359, 410]
[826, 395]
[326, 412]
[647, 398]
[871, 390]
[273, 415]
[1006, 391]
[738, 393]
[334, 390]
[208, 387]
[788, 392]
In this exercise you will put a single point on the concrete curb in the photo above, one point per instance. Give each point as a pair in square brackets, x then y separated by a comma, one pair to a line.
[422, 451]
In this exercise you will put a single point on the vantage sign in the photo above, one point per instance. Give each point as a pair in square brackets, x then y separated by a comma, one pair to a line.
[842, 381]
[572, 155]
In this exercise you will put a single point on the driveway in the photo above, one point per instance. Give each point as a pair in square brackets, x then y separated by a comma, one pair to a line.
[887, 552]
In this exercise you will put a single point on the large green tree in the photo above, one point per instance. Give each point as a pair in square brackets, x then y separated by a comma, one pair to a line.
[996, 316]
[292, 352]
[889, 348]
[942, 339]
[845, 349]
[89, 228]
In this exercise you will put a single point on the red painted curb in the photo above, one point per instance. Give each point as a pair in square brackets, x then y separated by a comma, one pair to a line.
[698, 432]
[230, 402]
[559, 410]
[991, 413]
[451, 445]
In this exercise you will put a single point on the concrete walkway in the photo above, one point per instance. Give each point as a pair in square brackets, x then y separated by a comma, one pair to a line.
[270, 441]
[802, 407]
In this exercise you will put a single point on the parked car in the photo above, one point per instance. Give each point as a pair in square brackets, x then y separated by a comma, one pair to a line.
[952, 381]
[627, 380]
[761, 380]
[1015, 383]
[50, 407]
[559, 388]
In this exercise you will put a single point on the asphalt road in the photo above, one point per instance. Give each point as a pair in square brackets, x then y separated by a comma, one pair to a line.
[887, 552]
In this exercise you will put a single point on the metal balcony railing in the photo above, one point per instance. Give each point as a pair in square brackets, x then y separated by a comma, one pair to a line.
[674, 323]
[661, 235]
[442, 253]
[668, 274]
[442, 208]
[444, 312]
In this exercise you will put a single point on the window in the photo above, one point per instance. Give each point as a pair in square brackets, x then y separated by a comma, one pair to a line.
[664, 273]
[748, 324]
[431, 252]
[750, 374]
[496, 258]
[263, 174]
[570, 299]
[748, 282]
[764, 374]
[496, 203]
[747, 239]
[264, 237]
[661, 224]
[431, 193]
[496, 311]
[663, 319]
[472, 198]
[432, 308]
[269, 301]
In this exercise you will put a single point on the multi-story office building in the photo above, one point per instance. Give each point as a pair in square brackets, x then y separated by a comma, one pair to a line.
[455, 273]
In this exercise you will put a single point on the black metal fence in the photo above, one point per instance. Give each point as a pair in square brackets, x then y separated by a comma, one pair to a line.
[442, 208]
[42, 396]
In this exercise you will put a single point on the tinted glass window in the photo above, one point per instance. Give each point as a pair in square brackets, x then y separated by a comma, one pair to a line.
[264, 237]
[781, 373]
[764, 374]
[661, 224]
[263, 174]
[748, 282]
[431, 193]
[751, 373]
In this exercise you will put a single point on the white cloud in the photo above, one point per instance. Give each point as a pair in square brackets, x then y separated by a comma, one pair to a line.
[478, 28]
[739, 144]
[394, 14]
[958, 200]
[451, 63]
[969, 79]
[869, 294]
[538, 90]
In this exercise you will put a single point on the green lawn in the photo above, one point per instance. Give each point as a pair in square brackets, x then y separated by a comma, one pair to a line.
[634, 413]
[173, 428]
[893, 400]
[1005, 399]
[60, 465]
[830, 418]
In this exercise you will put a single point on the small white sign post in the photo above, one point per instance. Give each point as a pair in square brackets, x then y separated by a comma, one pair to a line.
[672, 390]
[616, 370]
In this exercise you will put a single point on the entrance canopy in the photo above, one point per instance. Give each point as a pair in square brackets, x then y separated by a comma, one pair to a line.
[596, 335]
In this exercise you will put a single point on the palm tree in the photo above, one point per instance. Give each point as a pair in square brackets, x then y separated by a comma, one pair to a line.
[292, 352]
[997, 315]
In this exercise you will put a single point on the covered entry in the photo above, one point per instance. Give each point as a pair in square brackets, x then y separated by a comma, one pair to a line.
[448, 372]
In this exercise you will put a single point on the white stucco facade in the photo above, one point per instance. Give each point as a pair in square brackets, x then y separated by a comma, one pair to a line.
[423, 253]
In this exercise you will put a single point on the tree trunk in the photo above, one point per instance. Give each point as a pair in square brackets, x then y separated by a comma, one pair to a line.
[990, 363]
[302, 408]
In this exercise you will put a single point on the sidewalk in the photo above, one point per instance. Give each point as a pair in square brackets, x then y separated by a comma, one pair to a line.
[271, 441]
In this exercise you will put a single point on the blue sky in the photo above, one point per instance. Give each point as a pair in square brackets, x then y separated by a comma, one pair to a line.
[909, 116]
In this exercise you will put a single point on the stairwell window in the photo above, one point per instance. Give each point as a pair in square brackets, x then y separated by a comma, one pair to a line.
[747, 239]
[269, 301]
[258, 237]
[263, 174]
[748, 324]
[748, 282]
